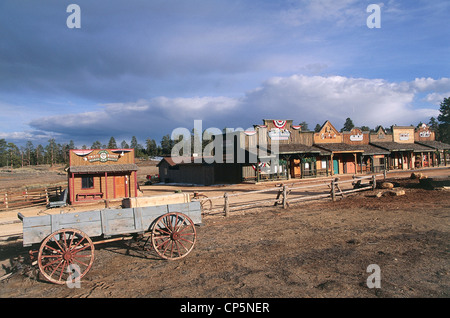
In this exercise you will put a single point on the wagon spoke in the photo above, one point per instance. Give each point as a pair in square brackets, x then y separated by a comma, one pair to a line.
[80, 262]
[62, 270]
[51, 263]
[53, 249]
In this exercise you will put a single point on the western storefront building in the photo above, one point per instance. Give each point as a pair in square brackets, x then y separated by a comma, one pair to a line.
[279, 149]
[439, 151]
[101, 174]
[404, 152]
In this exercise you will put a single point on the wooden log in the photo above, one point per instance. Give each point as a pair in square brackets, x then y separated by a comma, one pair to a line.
[333, 190]
[226, 207]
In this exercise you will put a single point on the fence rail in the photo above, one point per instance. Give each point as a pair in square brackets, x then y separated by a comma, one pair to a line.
[28, 197]
[283, 195]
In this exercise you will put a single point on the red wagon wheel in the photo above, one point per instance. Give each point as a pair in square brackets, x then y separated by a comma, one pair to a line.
[65, 256]
[205, 203]
[173, 235]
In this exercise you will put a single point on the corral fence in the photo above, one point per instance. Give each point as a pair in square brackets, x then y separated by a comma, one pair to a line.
[29, 197]
[283, 195]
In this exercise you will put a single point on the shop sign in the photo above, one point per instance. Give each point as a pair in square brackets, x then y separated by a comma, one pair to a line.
[425, 134]
[103, 156]
[279, 134]
[357, 137]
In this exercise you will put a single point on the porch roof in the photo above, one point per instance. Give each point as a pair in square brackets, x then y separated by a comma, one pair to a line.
[341, 147]
[395, 146]
[103, 168]
[436, 145]
[301, 148]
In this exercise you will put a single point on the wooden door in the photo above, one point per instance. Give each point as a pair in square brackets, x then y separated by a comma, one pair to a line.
[119, 184]
[336, 166]
[295, 168]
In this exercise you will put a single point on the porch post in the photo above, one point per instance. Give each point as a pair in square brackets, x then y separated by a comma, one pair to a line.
[332, 165]
[106, 185]
[73, 188]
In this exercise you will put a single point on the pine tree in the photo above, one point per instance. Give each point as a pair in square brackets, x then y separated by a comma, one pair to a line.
[348, 125]
[112, 143]
[444, 120]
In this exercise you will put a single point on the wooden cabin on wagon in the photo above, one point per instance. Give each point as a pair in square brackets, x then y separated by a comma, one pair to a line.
[101, 174]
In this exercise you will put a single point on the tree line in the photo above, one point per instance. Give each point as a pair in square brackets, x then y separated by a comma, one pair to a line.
[55, 153]
[52, 153]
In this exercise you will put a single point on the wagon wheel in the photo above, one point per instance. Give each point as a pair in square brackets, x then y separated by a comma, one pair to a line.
[61, 251]
[205, 203]
[173, 235]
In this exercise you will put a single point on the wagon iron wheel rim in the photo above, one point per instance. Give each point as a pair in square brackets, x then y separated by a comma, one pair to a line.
[205, 203]
[173, 236]
[65, 256]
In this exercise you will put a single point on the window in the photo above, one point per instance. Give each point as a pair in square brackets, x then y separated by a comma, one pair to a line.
[87, 182]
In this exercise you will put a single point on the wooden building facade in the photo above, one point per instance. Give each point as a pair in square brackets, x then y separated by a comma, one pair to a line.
[404, 152]
[101, 174]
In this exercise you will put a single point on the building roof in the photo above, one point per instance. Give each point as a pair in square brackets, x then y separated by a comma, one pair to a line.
[395, 146]
[340, 147]
[103, 168]
[300, 148]
[434, 144]
[182, 160]
[372, 150]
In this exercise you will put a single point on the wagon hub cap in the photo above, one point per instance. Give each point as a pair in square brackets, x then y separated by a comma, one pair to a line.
[67, 256]
[175, 236]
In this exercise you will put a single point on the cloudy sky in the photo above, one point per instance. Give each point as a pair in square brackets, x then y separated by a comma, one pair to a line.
[143, 68]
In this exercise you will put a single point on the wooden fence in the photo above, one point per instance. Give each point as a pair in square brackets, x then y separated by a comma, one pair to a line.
[283, 195]
[29, 197]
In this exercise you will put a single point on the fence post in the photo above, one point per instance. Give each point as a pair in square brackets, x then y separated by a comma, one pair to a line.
[226, 204]
[46, 195]
[284, 197]
[6, 200]
[374, 182]
[333, 193]
[384, 174]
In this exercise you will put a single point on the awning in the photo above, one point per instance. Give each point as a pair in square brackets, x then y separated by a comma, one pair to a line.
[395, 146]
[436, 145]
[103, 168]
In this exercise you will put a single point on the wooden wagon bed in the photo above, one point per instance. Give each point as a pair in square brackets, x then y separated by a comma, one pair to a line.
[66, 239]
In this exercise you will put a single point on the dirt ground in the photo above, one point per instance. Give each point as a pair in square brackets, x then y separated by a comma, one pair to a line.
[312, 249]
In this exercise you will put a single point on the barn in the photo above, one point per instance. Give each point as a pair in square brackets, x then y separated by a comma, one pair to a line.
[188, 171]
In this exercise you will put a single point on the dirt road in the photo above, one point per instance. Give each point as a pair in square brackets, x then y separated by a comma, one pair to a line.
[315, 249]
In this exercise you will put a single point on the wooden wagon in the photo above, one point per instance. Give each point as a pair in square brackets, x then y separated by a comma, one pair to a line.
[66, 250]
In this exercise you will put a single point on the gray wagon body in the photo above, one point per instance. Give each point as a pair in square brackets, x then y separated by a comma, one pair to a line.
[104, 222]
